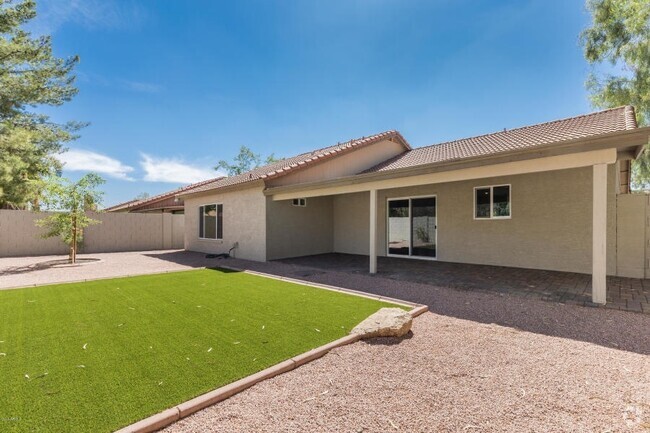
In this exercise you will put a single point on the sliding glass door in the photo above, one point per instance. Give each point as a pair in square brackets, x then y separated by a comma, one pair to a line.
[412, 227]
[399, 216]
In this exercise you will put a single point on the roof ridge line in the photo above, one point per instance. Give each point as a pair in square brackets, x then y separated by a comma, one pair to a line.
[342, 146]
[519, 128]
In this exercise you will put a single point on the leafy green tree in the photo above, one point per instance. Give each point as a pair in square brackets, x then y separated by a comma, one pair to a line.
[245, 160]
[30, 76]
[620, 35]
[70, 203]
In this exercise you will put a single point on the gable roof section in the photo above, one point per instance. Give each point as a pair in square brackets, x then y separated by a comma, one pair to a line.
[524, 138]
[136, 204]
[299, 162]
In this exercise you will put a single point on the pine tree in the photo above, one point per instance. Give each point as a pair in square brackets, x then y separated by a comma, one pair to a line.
[30, 76]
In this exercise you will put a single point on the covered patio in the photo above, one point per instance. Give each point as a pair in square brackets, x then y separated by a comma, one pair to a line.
[626, 294]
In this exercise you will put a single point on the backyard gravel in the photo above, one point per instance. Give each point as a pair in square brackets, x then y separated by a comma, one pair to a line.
[453, 375]
[29, 271]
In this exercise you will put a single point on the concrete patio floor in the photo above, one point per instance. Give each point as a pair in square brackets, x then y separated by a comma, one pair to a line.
[627, 294]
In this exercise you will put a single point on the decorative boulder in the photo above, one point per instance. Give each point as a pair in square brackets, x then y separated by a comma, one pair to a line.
[387, 322]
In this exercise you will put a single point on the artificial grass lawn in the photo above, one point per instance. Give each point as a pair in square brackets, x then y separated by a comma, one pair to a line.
[96, 356]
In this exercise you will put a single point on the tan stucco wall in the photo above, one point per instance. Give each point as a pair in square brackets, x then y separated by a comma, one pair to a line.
[19, 236]
[550, 226]
[351, 219]
[299, 231]
[631, 235]
[244, 221]
[133, 232]
[343, 165]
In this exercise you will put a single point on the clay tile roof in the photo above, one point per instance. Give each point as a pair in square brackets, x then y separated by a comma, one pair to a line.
[299, 162]
[121, 206]
[527, 137]
[131, 204]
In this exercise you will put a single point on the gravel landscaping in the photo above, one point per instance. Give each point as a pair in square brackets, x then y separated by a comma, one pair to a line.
[31, 271]
[452, 375]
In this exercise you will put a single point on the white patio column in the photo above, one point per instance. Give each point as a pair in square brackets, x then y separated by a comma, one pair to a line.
[373, 231]
[599, 234]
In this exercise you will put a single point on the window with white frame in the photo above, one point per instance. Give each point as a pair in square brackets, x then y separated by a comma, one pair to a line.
[492, 202]
[299, 202]
[211, 221]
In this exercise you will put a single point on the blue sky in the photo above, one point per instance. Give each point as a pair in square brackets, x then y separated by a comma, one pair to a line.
[171, 87]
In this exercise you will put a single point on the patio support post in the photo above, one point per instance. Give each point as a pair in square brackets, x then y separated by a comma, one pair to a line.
[599, 234]
[373, 231]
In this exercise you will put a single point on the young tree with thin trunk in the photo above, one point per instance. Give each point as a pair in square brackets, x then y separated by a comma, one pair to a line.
[70, 203]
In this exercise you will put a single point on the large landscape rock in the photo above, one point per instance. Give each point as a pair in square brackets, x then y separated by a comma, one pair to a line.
[387, 322]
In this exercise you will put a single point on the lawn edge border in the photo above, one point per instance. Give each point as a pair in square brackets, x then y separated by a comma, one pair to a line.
[85, 280]
[187, 408]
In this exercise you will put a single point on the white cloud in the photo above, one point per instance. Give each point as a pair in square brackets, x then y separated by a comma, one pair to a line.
[173, 170]
[141, 86]
[85, 160]
[91, 14]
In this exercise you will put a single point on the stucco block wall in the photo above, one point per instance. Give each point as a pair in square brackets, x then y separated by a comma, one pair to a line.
[132, 232]
[19, 236]
[294, 231]
[244, 221]
[631, 235]
[344, 165]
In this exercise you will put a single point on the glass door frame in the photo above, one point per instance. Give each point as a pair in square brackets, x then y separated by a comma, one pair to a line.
[410, 256]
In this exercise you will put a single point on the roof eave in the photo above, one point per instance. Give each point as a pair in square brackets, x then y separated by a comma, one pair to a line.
[223, 189]
[394, 135]
[637, 135]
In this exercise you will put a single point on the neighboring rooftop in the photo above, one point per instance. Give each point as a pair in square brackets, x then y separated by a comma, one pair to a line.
[557, 131]
[156, 201]
[289, 165]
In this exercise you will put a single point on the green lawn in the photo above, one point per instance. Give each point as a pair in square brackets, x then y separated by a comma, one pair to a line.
[99, 355]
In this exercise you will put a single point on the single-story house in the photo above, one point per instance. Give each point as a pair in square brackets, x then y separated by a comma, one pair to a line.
[167, 202]
[544, 196]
